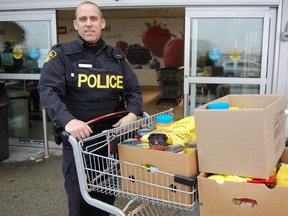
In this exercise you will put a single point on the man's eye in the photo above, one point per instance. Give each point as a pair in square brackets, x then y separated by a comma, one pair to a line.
[82, 19]
[94, 19]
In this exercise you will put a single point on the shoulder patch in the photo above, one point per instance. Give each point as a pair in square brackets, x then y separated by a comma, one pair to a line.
[51, 54]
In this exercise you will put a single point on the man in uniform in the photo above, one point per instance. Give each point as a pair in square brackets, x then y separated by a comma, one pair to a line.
[81, 80]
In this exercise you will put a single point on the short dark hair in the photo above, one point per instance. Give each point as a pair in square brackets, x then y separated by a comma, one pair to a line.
[91, 3]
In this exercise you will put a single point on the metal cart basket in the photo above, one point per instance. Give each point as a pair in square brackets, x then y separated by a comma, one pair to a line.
[102, 173]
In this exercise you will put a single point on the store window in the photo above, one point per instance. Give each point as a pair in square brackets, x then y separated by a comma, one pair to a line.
[25, 40]
[23, 49]
[227, 53]
[229, 47]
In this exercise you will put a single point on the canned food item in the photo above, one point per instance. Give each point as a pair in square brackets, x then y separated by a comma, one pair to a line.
[189, 147]
[176, 148]
[131, 142]
[142, 132]
[158, 141]
[144, 145]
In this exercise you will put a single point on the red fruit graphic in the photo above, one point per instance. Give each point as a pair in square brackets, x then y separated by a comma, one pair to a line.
[122, 45]
[173, 53]
[155, 38]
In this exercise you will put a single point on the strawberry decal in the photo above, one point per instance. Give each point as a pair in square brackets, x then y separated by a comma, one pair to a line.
[155, 37]
[173, 53]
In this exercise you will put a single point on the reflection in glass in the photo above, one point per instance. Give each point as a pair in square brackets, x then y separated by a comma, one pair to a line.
[23, 51]
[228, 47]
[24, 110]
[208, 92]
[223, 90]
[22, 48]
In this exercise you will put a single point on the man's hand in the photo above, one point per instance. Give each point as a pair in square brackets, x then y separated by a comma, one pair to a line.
[78, 129]
[126, 119]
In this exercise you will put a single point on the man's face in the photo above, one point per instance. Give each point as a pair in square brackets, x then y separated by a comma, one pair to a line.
[89, 23]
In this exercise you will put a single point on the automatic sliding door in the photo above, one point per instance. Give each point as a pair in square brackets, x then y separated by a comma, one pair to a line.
[227, 53]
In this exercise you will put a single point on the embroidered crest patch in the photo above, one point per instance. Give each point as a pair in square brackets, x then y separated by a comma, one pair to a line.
[50, 55]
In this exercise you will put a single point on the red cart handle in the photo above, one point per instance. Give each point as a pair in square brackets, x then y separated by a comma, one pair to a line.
[113, 143]
[112, 115]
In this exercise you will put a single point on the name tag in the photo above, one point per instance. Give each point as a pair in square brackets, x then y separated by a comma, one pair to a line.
[85, 65]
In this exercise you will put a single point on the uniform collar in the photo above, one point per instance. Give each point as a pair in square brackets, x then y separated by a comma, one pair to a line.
[100, 44]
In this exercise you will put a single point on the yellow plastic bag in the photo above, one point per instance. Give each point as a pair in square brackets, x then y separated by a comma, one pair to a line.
[183, 137]
[282, 175]
[185, 124]
[236, 178]
[220, 179]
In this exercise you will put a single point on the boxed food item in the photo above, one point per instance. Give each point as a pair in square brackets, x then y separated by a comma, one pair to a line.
[241, 198]
[247, 141]
[160, 175]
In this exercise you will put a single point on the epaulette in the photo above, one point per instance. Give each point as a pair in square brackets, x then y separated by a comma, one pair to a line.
[55, 46]
[71, 48]
[73, 51]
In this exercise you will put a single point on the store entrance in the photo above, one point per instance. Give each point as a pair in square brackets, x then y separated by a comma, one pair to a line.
[23, 52]
[228, 51]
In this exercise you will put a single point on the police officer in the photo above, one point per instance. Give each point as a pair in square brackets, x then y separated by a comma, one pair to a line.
[81, 80]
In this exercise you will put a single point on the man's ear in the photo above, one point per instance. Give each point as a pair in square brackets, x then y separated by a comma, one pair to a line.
[103, 24]
[75, 24]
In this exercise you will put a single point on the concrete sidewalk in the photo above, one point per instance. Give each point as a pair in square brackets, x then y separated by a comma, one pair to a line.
[32, 185]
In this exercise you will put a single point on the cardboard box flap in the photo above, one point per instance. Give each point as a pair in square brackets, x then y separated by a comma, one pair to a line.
[246, 101]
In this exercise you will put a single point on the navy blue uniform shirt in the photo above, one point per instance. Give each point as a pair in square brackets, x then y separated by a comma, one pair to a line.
[67, 93]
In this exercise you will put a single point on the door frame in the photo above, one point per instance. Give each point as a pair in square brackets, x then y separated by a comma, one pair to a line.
[32, 15]
[267, 61]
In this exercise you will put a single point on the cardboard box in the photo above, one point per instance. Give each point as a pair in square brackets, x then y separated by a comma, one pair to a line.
[171, 177]
[245, 142]
[249, 198]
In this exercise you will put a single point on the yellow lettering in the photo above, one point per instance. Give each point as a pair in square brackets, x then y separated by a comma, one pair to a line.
[120, 82]
[112, 81]
[82, 78]
[92, 81]
[99, 85]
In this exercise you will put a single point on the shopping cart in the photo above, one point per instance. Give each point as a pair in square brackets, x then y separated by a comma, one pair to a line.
[102, 173]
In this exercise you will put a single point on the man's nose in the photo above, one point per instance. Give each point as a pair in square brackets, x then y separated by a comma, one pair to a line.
[89, 21]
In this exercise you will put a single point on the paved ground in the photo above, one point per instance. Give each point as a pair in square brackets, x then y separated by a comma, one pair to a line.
[32, 185]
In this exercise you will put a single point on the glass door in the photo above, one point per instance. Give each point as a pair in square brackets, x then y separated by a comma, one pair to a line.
[227, 53]
[25, 39]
